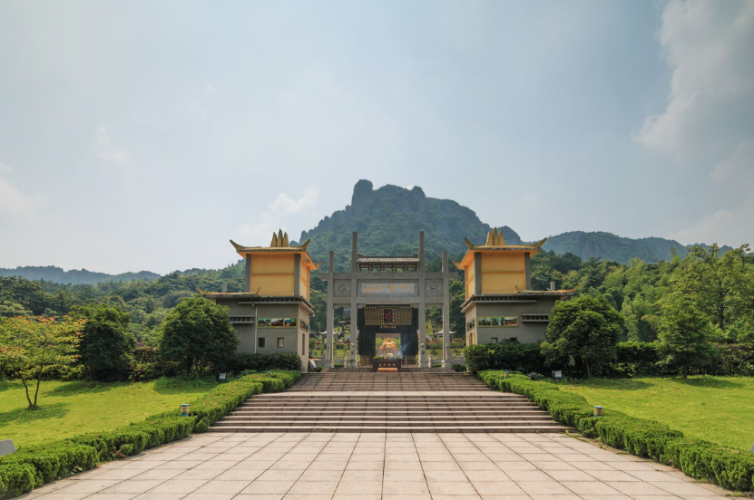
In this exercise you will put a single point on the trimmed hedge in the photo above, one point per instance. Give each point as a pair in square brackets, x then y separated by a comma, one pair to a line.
[31, 467]
[730, 468]
[264, 362]
[516, 356]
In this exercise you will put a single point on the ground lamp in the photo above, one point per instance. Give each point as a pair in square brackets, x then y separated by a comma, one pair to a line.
[185, 410]
[597, 411]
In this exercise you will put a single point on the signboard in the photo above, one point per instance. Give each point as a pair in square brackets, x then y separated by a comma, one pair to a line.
[388, 289]
[388, 316]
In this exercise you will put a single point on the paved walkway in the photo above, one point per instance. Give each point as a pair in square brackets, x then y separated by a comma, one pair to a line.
[373, 466]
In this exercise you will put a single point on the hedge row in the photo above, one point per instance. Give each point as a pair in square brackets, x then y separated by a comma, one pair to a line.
[730, 468]
[31, 467]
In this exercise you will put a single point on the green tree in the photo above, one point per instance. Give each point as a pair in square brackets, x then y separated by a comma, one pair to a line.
[106, 344]
[582, 334]
[197, 334]
[33, 344]
[685, 334]
[713, 280]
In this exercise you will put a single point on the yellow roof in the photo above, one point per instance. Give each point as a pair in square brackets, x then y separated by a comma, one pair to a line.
[279, 243]
[496, 242]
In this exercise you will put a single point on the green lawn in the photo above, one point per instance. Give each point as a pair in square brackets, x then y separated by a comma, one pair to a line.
[718, 409]
[70, 408]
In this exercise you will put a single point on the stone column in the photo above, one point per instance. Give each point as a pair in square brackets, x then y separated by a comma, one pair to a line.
[354, 293]
[422, 307]
[445, 310]
[330, 311]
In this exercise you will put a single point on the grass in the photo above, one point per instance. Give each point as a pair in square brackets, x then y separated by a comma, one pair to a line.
[718, 409]
[70, 408]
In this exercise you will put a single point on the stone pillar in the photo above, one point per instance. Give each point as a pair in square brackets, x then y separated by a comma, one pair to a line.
[354, 294]
[330, 311]
[446, 362]
[423, 362]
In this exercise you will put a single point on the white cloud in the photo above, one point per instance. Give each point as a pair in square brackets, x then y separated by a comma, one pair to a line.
[6, 168]
[108, 152]
[709, 120]
[14, 202]
[709, 45]
[275, 217]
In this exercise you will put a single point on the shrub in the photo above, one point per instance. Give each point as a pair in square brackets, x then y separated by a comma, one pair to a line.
[459, 368]
[31, 467]
[506, 355]
[727, 467]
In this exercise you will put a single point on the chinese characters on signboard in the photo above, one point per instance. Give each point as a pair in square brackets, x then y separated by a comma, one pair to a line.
[497, 321]
[388, 289]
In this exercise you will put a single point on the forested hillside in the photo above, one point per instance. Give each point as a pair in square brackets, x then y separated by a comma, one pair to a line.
[74, 277]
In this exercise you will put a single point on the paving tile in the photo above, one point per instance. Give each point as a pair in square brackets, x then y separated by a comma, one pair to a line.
[90, 486]
[209, 496]
[359, 488]
[496, 487]
[543, 488]
[268, 487]
[364, 466]
[280, 475]
[313, 488]
[160, 496]
[487, 475]
[570, 475]
[451, 488]
[405, 488]
[529, 475]
[178, 486]
[361, 475]
[478, 466]
[637, 488]
[402, 475]
[683, 490]
[408, 466]
[589, 488]
[321, 475]
[440, 466]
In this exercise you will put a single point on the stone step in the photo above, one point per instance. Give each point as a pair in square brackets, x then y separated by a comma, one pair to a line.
[390, 428]
[396, 422]
[383, 411]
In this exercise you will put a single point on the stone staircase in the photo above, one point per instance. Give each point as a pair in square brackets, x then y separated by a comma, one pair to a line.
[382, 402]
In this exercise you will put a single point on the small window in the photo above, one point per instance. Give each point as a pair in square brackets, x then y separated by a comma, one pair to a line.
[261, 341]
[303, 344]
[494, 340]
[513, 339]
[281, 342]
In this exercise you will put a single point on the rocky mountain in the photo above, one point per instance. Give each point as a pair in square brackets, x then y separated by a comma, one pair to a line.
[388, 221]
[389, 218]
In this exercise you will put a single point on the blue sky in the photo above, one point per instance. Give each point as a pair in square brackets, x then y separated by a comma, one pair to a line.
[143, 135]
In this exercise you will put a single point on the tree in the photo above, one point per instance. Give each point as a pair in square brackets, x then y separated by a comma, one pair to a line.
[685, 335]
[197, 334]
[106, 344]
[713, 280]
[582, 334]
[34, 344]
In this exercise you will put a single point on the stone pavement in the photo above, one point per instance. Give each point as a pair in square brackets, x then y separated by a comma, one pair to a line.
[372, 466]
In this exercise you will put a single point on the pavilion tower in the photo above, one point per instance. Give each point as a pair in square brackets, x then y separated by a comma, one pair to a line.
[272, 314]
[500, 304]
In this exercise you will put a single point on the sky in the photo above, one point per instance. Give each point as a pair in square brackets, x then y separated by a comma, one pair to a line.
[142, 135]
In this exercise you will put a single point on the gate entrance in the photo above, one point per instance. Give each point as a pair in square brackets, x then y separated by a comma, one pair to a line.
[388, 295]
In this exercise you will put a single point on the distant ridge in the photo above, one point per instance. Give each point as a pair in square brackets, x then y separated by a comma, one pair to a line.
[388, 220]
[74, 277]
